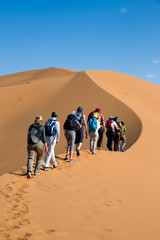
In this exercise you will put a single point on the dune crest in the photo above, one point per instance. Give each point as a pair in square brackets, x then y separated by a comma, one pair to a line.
[48, 90]
[108, 196]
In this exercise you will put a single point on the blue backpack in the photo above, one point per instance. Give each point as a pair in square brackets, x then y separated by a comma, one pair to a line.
[50, 129]
[92, 125]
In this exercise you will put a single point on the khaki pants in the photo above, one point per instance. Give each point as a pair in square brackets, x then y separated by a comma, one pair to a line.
[93, 141]
[32, 149]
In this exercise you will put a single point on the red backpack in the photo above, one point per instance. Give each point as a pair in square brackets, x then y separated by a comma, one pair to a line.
[110, 126]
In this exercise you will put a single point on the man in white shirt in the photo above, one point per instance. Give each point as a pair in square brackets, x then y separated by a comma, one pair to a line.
[52, 127]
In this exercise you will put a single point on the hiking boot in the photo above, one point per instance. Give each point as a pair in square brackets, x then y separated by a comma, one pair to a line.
[29, 175]
[37, 174]
[71, 160]
[100, 148]
[55, 165]
[66, 158]
[78, 152]
[46, 169]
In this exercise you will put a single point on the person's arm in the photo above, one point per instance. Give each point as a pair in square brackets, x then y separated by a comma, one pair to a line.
[85, 124]
[103, 123]
[44, 140]
[57, 131]
[78, 126]
[115, 125]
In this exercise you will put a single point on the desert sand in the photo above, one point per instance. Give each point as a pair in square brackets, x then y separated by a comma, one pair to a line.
[110, 196]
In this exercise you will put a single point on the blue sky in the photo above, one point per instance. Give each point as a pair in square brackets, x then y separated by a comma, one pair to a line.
[115, 35]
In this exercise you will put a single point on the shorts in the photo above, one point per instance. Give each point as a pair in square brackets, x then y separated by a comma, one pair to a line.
[79, 136]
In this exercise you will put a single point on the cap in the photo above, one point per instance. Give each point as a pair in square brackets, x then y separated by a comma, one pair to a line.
[79, 109]
[54, 114]
[110, 118]
[97, 110]
[117, 118]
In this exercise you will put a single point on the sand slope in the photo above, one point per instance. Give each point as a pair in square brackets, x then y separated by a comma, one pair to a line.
[107, 196]
[46, 91]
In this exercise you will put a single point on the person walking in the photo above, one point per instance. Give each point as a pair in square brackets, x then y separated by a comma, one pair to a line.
[36, 143]
[101, 130]
[52, 131]
[118, 133]
[70, 126]
[123, 137]
[111, 126]
[80, 133]
[93, 127]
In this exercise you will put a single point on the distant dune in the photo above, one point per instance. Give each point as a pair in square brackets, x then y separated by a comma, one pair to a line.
[108, 196]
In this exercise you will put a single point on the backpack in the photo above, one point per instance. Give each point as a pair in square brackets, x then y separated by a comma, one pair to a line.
[120, 131]
[70, 123]
[50, 129]
[92, 125]
[110, 126]
[97, 114]
[33, 135]
[80, 118]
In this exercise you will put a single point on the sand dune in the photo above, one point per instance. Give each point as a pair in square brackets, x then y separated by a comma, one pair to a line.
[107, 196]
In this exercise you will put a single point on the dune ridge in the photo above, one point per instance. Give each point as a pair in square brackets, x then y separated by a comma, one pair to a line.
[48, 91]
[108, 196]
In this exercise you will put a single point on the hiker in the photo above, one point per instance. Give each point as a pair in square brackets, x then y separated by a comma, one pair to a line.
[93, 127]
[36, 143]
[118, 133]
[70, 126]
[80, 133]
[111, 126]
[52, 131]
[123, 137]
[101, 130]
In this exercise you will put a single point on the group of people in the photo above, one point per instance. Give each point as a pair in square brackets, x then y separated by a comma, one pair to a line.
[76, 126]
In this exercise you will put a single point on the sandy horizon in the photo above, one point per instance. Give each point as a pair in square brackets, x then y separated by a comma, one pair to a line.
[108, 196]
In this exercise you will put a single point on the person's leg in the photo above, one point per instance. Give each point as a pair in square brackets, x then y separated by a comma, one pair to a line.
[39, 148]
[112, 138]
[110, 141]
[100, 133]
[67, 136]
[31, 154]
[116, 142]
[79, 140]
[53, 159]
[124, 143]
[91, 134]
[95, 138]
[72, 141]
[47, 157]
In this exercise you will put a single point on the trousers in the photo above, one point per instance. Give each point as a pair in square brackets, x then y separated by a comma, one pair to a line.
[93, 141]
[32, 150]
[50, 155]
